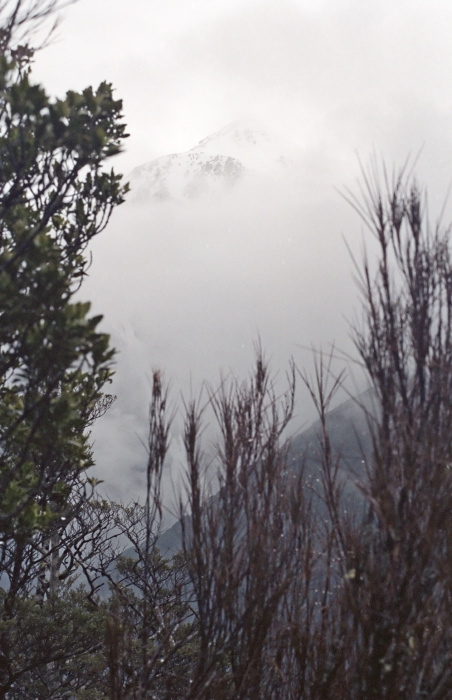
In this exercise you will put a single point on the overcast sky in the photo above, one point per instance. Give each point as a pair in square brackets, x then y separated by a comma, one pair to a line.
[338, 77]
[328, 72]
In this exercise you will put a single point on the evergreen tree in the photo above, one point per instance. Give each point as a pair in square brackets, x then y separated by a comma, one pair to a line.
[55, 196]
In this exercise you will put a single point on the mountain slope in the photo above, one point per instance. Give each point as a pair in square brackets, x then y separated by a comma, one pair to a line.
[350, 440]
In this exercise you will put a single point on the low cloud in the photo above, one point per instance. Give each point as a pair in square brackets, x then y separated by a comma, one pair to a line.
[189, 286]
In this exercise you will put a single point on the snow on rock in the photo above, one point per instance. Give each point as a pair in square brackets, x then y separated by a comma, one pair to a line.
[240, 151]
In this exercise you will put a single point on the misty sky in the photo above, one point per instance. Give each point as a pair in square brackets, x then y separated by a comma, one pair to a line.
[190, 287]
[331, 73]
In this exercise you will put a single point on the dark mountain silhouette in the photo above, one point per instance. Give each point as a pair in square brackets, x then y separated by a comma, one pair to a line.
[351, 445]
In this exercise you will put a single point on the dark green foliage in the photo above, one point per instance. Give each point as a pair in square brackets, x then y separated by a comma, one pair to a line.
[55, 646]
[54, 197]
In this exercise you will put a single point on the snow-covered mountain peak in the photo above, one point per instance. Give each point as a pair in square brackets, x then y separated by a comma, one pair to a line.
[240, 150]
[258, 149]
